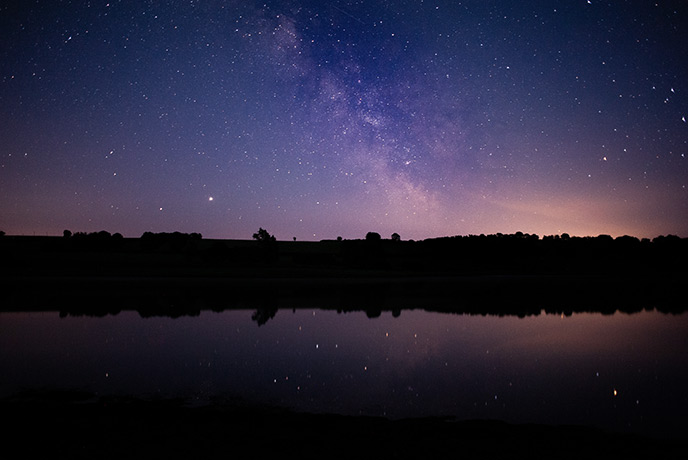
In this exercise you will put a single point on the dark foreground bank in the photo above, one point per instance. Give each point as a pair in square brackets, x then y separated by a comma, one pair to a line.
[178, 274]
[60, 425]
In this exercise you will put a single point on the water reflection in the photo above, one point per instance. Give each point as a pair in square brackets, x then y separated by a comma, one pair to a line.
[624, 372]
[506, 295]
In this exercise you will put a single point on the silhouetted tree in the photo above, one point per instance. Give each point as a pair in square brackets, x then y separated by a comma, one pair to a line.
[396, 237]
[262, 236]
[67, 234]
[267, 245]
[263, 315]
[373, 236]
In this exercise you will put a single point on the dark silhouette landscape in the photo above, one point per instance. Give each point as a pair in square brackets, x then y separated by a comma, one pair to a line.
[177, 274]
[191, 254]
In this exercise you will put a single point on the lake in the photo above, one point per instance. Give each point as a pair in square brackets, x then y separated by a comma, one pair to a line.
[621, 372]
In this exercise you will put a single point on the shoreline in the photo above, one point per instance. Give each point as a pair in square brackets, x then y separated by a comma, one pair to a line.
[72, 424]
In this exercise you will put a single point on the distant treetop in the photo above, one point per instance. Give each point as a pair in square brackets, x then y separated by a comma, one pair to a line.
[373, 236]
[262, 236]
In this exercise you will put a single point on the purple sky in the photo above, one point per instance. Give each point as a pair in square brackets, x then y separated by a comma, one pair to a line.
[323, 119]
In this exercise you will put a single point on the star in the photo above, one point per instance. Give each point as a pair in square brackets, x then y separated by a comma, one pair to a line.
[422, 120]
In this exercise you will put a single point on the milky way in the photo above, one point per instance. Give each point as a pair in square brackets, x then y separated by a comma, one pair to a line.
[323, 119]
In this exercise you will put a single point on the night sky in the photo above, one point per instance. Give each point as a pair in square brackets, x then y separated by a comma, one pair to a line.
[318, 119]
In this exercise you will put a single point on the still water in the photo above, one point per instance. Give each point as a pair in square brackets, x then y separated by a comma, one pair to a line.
[624, 372]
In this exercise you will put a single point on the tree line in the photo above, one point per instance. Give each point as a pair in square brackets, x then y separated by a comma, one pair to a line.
[471, 254]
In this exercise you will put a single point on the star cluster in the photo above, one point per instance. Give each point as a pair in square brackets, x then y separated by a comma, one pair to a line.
[324, 119]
